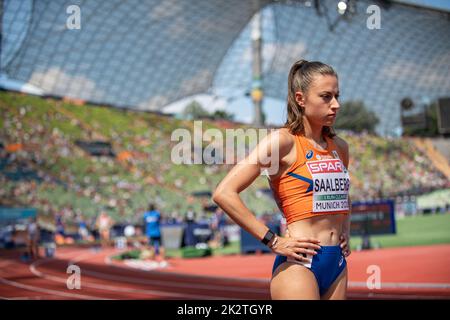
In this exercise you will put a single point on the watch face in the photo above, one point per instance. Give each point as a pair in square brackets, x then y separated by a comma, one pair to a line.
[269, 235]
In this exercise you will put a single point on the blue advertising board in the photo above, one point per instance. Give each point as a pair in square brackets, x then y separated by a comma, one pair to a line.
[373, 218]
[10, 215]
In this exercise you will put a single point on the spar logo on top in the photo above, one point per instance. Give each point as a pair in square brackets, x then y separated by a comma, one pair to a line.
[326, 166]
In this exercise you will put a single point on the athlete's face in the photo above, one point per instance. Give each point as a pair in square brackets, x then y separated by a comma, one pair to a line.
[321, 101]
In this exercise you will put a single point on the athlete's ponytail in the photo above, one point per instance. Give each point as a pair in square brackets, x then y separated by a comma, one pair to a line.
[300, 78]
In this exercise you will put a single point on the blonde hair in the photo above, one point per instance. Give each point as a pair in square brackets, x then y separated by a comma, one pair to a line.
[300, 78]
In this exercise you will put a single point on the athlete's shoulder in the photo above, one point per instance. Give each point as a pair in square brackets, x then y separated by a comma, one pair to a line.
[280, 139]
[342, 146]
[340, 142]
[285, 137]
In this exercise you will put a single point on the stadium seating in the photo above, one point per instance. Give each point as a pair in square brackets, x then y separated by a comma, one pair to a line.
[51, 173]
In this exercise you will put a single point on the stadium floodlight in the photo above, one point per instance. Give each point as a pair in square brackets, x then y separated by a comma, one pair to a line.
[342, 7]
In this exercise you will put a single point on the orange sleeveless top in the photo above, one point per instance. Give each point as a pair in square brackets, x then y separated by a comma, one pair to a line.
[317, 183]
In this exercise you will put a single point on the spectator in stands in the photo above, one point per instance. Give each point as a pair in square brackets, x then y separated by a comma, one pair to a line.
[33, 238]
[83, 231]
[189, 237]
[59, 224]
[217, 227]
[152, 220]
[104, 224]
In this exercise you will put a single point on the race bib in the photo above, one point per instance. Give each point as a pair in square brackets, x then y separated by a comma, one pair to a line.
[331, 183]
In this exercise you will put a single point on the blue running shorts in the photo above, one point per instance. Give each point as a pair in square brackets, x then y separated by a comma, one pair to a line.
[326, 265]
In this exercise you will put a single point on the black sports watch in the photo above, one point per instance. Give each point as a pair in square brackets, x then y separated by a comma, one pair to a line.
[268, 237]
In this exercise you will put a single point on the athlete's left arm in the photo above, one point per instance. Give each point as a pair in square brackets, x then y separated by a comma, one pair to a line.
[345, 236]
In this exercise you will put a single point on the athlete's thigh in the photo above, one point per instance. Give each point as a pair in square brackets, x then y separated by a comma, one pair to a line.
[338, 290]
[293, 281]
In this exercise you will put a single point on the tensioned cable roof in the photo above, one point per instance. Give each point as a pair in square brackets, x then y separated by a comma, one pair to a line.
[136, 53]
[409, 56]
[146, 54]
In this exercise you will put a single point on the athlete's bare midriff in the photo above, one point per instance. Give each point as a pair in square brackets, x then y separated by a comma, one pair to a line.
[326, 228]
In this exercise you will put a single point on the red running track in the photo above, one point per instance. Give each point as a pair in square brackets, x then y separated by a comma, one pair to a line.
[405, 273]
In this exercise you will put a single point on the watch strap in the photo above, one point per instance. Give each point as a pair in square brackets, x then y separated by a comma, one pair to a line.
[268, 237]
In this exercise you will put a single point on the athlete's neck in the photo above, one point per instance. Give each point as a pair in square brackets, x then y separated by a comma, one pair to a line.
[313, 132]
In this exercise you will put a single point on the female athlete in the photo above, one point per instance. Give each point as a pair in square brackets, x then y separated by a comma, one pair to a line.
[311, 188]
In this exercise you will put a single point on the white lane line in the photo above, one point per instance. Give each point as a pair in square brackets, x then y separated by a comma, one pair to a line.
[48, 291]
[178, 284]
[402, 285]
[28, 298]
[351, 284]
[192, 276]
[153, 293]
[351, 295]
[36, 272]
[85, 284]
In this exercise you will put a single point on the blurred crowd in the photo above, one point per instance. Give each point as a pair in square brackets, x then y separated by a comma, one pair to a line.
[388, 167]
[41, 167]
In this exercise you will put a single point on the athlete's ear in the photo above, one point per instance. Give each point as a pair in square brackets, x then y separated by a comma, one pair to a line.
[300, 98]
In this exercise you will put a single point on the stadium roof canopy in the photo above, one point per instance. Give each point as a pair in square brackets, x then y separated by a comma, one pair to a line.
[145, 54]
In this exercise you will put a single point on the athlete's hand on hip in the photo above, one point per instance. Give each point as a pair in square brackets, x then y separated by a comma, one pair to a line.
[296, 248]
[345, 244]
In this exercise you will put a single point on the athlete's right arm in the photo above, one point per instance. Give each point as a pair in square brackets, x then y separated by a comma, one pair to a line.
[241, 176]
